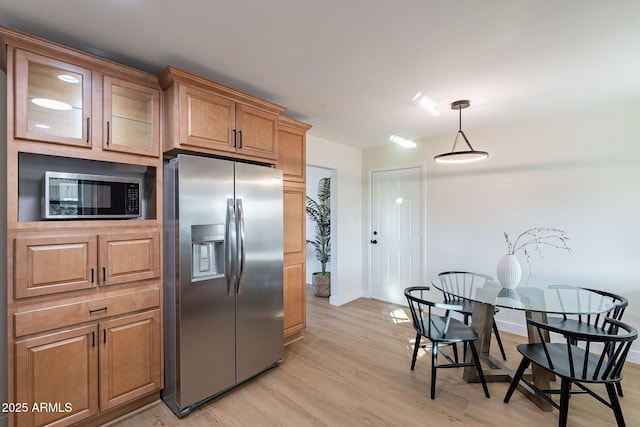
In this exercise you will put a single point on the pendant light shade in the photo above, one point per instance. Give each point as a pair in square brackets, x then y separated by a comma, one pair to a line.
[464, 156]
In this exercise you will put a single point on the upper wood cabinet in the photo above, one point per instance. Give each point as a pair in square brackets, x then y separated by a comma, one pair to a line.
[53, 100]
[204, 116]
[131, 118]
[292, 136]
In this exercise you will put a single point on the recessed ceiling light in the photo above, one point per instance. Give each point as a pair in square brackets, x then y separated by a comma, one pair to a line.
[67, 78]
[425, 103]
[402, 142]
[52, 104]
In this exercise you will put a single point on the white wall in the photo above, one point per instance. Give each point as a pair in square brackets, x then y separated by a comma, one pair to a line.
[346, 215]
[578, 171]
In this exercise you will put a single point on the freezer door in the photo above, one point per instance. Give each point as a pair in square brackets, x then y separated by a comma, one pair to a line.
[259, 323]
[206, 307]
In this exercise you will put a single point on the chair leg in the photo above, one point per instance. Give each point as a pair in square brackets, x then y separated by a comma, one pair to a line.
[472, 346]
[455, 352]
[524, 364]
[615, 404]
[415, 351]
[465, 319]
[619, 388]
[434, 366]
[497, 334]
[565, 393]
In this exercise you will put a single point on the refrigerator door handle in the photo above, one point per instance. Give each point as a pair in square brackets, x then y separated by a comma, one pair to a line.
[241, 251]
[230, 248]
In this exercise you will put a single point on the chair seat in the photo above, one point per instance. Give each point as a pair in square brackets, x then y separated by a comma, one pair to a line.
[457, 332]
[573, 325]
[561, 365]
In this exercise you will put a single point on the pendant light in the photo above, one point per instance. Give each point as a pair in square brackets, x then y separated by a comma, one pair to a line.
[465, 156]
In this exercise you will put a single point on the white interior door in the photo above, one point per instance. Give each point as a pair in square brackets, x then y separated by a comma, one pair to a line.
[396, 233]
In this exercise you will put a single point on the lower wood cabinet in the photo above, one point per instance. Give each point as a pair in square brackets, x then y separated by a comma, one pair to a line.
[294, 198]
[48, 265]
[77, 373]
[129, 358]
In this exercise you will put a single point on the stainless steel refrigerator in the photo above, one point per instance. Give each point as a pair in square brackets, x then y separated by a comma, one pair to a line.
[223, 254]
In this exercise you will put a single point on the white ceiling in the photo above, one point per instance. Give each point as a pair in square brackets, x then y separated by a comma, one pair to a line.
[351, 67]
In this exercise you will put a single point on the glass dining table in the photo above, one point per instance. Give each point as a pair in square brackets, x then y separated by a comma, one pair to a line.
[536, 299]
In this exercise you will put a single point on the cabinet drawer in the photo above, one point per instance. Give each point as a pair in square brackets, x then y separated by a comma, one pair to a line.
[47, 265]
[43, 319]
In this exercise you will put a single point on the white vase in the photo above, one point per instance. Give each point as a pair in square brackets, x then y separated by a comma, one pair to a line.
[509, 271]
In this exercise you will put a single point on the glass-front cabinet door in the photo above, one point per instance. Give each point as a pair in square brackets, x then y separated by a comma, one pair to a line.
[53, 100]
[131, 118]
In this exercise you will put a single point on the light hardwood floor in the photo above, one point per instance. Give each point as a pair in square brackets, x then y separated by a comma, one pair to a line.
[352, 369]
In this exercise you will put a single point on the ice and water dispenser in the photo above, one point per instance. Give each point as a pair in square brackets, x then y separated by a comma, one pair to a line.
[207, 246]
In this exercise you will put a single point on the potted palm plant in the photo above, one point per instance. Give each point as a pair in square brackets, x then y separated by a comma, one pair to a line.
[320, 213]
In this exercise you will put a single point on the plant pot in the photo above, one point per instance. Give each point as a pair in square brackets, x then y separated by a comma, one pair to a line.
[321, 284]
[509, 272]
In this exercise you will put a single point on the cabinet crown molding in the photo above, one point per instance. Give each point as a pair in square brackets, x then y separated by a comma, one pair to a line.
[171, 75]
[18, 39]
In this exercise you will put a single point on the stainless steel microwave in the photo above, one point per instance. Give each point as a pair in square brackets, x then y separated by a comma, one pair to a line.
[74, 195]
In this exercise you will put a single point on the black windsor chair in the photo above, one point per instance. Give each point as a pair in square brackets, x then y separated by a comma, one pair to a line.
[591, 323]
[455, 283]
[441, 331]
[582, 359]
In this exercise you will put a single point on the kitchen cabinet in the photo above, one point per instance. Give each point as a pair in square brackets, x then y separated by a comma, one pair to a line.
[292, 161]
[131, 118]
[48, 265]
[59, 368]
[292, 141]
[294, 261]
[88, 369]
[130, 358]
[84, 296]
[206, 117]
[54, 102]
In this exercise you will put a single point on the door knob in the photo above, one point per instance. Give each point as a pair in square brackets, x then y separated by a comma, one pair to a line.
[374, 242]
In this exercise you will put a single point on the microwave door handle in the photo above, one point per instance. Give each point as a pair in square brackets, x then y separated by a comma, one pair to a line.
[241, 251]
[230, 247]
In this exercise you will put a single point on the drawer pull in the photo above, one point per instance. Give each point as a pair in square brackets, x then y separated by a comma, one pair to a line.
[97, 310]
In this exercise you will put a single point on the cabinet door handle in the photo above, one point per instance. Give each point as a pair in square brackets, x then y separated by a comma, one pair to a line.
[92, 275]
[88, 129]
[104, 336]
[240, 132]
[93, 339]
[104, 275]
[108, 131]
[235, 138]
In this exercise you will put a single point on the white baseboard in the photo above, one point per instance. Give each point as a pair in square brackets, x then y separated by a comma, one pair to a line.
[343, 299]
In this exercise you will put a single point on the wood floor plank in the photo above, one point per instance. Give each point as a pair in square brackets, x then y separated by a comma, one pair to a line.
[353, 369]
